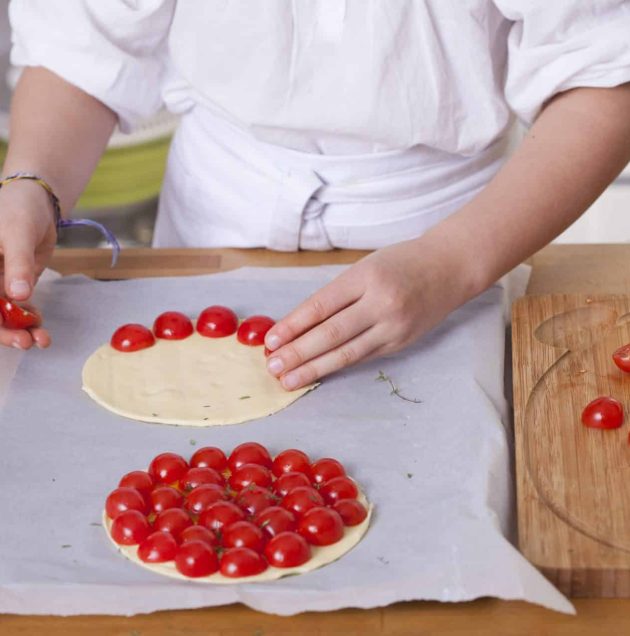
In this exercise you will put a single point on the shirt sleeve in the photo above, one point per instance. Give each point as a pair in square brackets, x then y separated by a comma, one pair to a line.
[114, 50]
[555, 46]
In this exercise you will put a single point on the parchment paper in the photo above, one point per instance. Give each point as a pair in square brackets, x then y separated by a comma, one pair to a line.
[437, 472]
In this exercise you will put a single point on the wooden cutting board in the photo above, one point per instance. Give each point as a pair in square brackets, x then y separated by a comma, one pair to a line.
[573, 483]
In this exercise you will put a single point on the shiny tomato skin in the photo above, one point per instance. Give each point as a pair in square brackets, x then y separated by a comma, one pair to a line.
[252, 330]
[274, 520]
[219, 515]
[242, 562]
[302, 499]
[288, 482]
[172, 325]
[604, 413]
[217, 322]
[16, 317]
[174, 521]
[132, 337]
[195, 477]
[122, 499]
[321, 526]
[209, 457]
[250, 475]
[621, 357]
[326, 469]
[244, 534]
[199, 533]
[140, 480]
[249, 453]
[291, 461]
[287, 550]
[168, 468]
[130, 528]
[164, 498]
[351, 511]
[195, 559]
[158, 547]
[204, 496]
[338, 488]
[255, 499]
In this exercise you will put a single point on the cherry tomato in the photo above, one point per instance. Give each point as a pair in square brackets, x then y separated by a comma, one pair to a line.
[351, 511]
[237, 562]
[199, 533]
[158, 547]
[195, 559]
[132, 337]
[338, 488]
[195, 477]
[138, 479]
[174, 521]
[302, 499]
[217, 322]
[325, 469]
[255, 499]
[209, 457]
[288, 481]
[123, 499]
[249, 453]
[243, 534]
[130, 528]
[287, 550]
[291, 461]
[274, 520]
[164, 498]
[321, 526]
[603, 412]
[16, 317]
[250, 475]
[253, 329]
[168, 468]
[172, 325]
[621, 357]
[221, 514]
[204, 496]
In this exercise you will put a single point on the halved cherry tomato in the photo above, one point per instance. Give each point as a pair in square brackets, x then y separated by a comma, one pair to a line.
[288, 481]
[140, 480]
[168, 468]
[123, 499]
[217, 322]
[199, 533]
[252, 330]
[321, 526]
[249, 453]
[158, 547]
[238, 562]
[325, 469]
[243, 534]
[16, 317]
[132, 337]
[195, 559]
[195, 477]
[172, 325]
[255, 499]
[351, 511]
[274, 520]
[302, 499]
[130, 528]
[174, 521]
[291, 461]
[164, 498]
[250, 475]
[621, 357]
[603, 412]
[287, 550]
[338, 488]
[203, 497]
[221, 514]
[209, 457]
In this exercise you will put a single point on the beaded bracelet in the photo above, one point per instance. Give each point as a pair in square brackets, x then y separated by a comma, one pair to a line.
[60, 222]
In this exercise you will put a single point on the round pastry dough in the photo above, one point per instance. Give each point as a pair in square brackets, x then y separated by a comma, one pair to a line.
[196, 381]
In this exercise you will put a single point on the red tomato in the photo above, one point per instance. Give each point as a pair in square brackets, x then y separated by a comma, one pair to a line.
[138, 479]
[172, 325]
[287, 550]
[164, 498]
[130, 528]
[195, 559]
[204, 496]
[603, 412]
[249, 453]
[16, 317]
[338, 488]
[168, 468]
[123, 499]
[199, 533]
[244, 534]
[288, 481]
[250, 475]
[174, 521]
[132, 338]
[237, 562]
[217, 322]
[158, 547]
[195, 477]
[621, 358]
[209, 457]
[325, 469]
[275, 520]
[255, 499]
[291, 461]
[321, 526]
[351, 511]
[220, 514]
[253, 329]
[302, 499]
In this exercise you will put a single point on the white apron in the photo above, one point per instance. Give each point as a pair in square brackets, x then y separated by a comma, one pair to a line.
[224, 188]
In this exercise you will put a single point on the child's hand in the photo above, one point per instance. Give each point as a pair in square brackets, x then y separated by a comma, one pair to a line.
[27, 239]
[378, 306]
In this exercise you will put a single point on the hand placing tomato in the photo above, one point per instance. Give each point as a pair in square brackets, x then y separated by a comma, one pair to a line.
[603, 412]
[15, 316]
[252, 330]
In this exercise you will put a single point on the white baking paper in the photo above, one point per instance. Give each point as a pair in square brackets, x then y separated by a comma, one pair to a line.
[438, 472]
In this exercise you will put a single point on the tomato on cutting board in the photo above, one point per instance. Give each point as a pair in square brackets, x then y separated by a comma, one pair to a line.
[15, 316]
[603, 412]
[621, 357]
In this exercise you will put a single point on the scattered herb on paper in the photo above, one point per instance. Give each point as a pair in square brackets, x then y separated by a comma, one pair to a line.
[205, 418]
[409, 475]
[96, 525]
[193, 442]
[66, 545]
[245, 397]
[154, 414]
[382, 377]
[383, 560]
